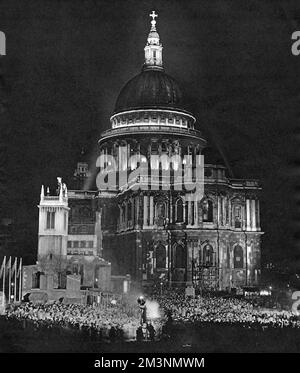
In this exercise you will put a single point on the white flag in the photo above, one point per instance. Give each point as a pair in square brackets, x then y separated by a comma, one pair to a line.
[2, 267]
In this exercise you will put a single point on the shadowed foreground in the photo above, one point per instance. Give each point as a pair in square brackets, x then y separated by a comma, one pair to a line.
[186, 337]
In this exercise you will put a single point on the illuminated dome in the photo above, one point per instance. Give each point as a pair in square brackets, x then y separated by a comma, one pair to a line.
[150, 89]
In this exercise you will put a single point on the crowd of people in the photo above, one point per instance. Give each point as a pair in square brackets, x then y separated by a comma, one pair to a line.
[212, 309]
[112, 322]
[122, 320]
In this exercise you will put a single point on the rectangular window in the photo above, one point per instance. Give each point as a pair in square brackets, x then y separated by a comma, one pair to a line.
[237, 217]
[81, 273]
[65, 221]
[91, 243]
[50, 223]
[48, 220]
[52, 220]
[69, 243]
[75, 244]
[82, 244]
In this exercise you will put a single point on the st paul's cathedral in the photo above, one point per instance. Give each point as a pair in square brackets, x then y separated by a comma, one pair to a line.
[209, 237]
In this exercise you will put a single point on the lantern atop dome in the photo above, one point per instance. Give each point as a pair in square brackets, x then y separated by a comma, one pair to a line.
[153, 48]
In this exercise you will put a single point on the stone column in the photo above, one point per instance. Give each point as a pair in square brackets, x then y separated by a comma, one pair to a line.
[218, 210]
[189, 212]
[145, 209]
[189, 250]
[126, 214]
[248, 215]
[229, 212]
[151, 222]
[136, 212]
[223, 212]
[196, 207]
[253, 210]
[258, 214]
[171, 209]
[120, 217]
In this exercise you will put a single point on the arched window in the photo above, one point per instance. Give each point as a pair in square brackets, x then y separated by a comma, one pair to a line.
[179, 211]
[208, 255]
[238, 257]
[180, 257]
[161, 257]
[207, 207]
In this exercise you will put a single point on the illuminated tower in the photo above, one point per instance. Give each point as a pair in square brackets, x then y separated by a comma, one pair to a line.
[53, 224]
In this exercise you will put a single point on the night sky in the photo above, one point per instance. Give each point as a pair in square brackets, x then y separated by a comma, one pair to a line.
[67, 61]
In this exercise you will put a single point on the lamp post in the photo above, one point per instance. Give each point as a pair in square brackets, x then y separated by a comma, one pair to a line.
[142, 305]
[12, 295]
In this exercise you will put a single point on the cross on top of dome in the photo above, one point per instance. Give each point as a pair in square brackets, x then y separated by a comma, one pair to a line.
[153, 15]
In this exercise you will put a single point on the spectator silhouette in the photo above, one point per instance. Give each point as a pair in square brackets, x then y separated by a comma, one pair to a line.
[112, 334]
[139, 334]
[151, 331]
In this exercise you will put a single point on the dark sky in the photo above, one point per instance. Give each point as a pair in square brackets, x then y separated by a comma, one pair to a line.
[67, 60]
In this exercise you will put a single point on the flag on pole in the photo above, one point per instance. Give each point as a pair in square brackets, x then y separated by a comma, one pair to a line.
[15, 279]
[20, 268]
[14, 267]
[20, 280]
[8, 265]
[2, 267]
[3, 281]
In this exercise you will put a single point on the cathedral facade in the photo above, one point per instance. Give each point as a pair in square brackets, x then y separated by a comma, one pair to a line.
[159, 214]
[155, 227]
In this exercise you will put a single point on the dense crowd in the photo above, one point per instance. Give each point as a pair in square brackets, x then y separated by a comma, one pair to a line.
[113, 322]
[122, 320]
[224, 310]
